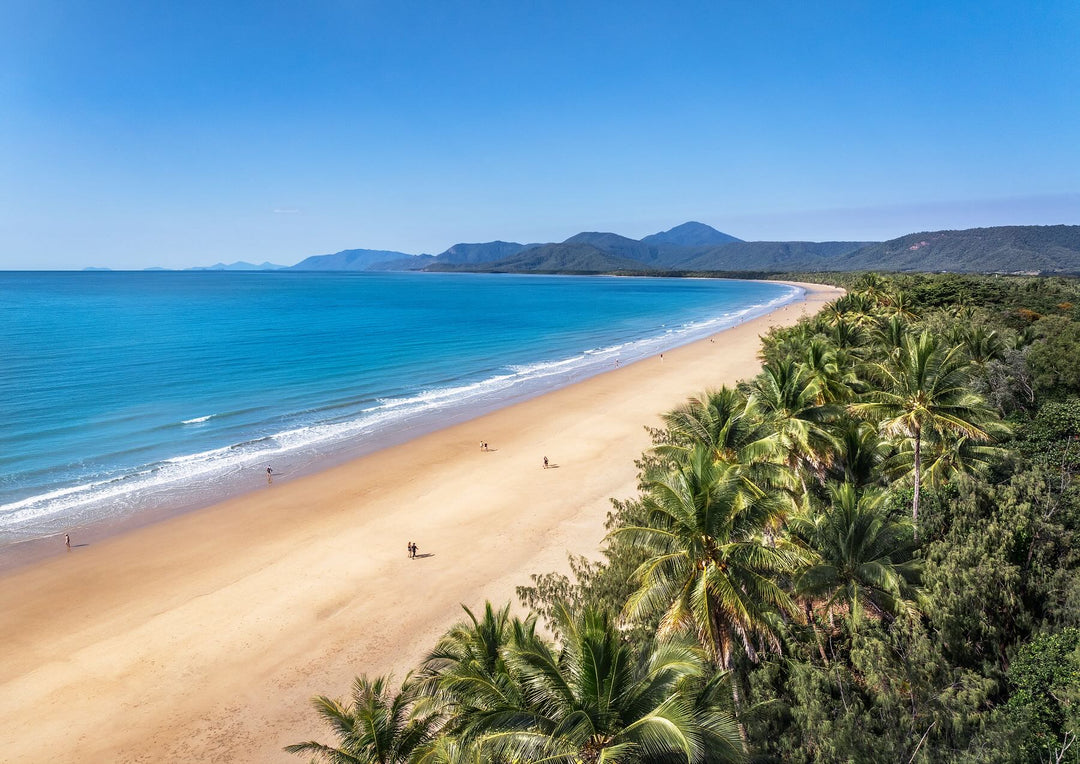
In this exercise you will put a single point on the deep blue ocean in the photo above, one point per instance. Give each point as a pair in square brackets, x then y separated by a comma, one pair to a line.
[127, 391]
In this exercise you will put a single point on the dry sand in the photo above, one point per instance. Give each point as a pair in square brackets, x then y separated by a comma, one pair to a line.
[201, 638]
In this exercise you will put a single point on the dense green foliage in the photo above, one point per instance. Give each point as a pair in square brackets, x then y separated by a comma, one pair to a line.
[1003, 249]
[869, 552]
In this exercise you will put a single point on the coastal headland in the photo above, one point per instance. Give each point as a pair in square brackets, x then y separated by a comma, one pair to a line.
[203, 637]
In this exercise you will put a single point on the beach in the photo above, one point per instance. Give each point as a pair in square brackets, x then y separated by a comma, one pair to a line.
[202, 637]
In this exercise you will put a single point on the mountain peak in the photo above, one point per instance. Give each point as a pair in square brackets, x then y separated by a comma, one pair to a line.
[691, 234]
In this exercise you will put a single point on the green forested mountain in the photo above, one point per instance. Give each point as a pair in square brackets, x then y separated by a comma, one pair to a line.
[406, 263]
[1004, 249]
[692, 234]
[769, 256]
[487, 252]
[695, 247]
[348, 260]
[550, 258]
[613, 244]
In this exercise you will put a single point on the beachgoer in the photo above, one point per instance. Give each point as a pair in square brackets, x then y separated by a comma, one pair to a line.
[415, 549]
[545, 463]
[661, 358]
[269, 475]
[67, 541]
[408, 547]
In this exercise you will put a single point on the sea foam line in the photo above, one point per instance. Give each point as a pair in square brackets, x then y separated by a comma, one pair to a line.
[389, 412]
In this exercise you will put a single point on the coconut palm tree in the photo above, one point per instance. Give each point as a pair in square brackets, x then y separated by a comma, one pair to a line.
[789, 401]
[925, 389]
[835, 383]
[900, 306]
[857, 308]
[859, 455]
[948, 457]
[862, 560]
[597, 698]
[847, 335]
[727, 424]
[377, 726]
[465, 675]
[877, 289]
[890, 333]
[982, 344]
[710, 570]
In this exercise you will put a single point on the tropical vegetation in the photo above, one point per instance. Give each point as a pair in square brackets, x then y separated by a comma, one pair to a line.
[868, 552]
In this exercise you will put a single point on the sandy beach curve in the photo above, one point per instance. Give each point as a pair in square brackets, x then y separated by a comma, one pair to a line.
[203, 637]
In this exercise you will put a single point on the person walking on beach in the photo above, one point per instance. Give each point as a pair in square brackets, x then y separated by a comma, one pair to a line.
[67, 542]
[545, 463]
[408, 549]
[269, 476]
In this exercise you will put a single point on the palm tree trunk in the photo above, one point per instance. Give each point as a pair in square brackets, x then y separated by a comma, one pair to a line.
[817, 634]
[724, 654]
[736, 697]
[918, 483]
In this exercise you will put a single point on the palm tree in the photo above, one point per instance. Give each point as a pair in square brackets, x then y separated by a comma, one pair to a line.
[982, 344]
[835, 383]
[466, 678]
[862, 559]
[847, 335]
[376, 727]
[600, 699]
[891, 332]
[710, 570]
[947, 456]
[857, 308]
[874, 287]
[925, 388]
[728, 425]
[860, 453]
[900, 306]
[789, 401]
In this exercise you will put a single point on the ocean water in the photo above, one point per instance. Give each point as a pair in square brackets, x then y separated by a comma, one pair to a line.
[123, 392]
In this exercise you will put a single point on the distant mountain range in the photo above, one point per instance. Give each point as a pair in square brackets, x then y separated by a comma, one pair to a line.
[238, 266]
[697, 248]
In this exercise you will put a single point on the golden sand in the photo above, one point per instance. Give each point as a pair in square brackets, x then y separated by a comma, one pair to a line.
[202, 637]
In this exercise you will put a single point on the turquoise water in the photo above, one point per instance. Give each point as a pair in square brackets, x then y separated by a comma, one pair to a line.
[126, 391]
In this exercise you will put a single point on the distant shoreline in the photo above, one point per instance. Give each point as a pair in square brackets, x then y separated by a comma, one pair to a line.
[19, 552]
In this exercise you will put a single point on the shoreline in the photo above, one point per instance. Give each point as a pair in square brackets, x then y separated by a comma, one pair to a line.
[89, 527]
[202, 636]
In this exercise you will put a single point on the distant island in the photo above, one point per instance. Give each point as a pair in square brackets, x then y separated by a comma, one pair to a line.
[698, 248]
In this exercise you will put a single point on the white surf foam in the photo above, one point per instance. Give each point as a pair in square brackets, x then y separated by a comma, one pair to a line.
[125, 492]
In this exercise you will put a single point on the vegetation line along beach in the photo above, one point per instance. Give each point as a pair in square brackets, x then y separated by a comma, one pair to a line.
[865, 552]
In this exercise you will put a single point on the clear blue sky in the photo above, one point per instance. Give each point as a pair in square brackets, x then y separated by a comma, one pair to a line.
[146, 133]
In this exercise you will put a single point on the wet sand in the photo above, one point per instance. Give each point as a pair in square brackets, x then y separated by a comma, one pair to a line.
[203, 636]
